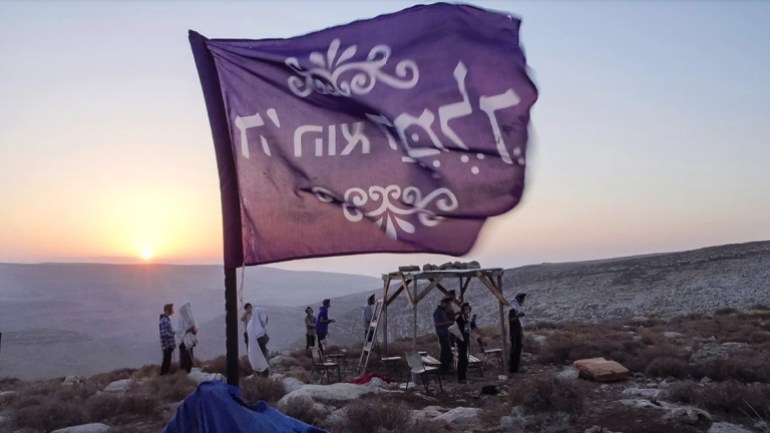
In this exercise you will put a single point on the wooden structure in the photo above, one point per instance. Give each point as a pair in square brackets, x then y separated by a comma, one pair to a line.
[409, 281]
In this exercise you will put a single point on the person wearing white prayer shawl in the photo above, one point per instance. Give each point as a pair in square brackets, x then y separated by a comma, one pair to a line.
[258, 339]
[187, 336]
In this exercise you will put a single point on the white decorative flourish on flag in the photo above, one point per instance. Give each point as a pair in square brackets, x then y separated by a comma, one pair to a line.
[389, 215]
[327, 77]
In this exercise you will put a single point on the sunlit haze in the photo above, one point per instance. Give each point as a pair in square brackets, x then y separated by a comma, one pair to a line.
[651, 133]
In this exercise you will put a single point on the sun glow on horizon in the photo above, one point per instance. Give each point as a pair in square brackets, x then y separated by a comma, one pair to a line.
[146, 253]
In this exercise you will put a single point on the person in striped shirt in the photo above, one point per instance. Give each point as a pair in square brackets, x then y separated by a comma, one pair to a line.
[167, 339]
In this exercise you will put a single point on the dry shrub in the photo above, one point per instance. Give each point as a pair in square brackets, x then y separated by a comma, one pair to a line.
[734, 398]
[667, 366]
[48, 415]
[430, 426]
[303, 409]
[104, 379]
[370, 416]
[549, 394]
[106, 406]
[726, 312]
[563, 347]
[256, 388]
[683, 392]
[145, 372]
[301, 375]
[219, 365]
[730, 398]
[49, 405]
[746, 366]
[169, 388]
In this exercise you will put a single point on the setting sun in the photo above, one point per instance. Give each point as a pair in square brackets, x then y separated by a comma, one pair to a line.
[146, 253]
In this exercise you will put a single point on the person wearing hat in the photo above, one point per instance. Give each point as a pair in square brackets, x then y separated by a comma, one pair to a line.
[441, 322]
[515, 331]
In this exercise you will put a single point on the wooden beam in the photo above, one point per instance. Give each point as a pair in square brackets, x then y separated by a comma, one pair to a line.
[428, 288]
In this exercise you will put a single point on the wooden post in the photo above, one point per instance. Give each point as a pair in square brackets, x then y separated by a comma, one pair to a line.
[231, 325]
[414, 325]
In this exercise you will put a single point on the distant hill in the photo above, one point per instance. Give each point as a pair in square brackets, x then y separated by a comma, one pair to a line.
[664, 285]
[60, 319]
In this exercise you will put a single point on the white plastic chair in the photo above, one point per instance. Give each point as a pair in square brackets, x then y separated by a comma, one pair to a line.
[417, 368]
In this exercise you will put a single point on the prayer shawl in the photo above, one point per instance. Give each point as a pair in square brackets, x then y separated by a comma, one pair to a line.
[186, 321]
[257, 328]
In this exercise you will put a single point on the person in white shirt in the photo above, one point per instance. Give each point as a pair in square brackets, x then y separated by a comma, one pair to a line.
[516, 332]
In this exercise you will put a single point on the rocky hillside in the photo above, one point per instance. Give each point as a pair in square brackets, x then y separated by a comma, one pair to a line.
[664, 285]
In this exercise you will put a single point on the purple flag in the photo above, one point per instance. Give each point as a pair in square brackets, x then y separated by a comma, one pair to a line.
[401, 133]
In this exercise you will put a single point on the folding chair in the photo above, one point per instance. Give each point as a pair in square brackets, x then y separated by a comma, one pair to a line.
[323, 366]
[417, 368]
[495, 354]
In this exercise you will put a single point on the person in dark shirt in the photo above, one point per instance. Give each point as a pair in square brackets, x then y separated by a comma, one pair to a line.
[464, 324]
[442, 323]
[516, 332]
[322, 324]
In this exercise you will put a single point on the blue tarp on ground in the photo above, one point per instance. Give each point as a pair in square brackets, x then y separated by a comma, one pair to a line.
[216, 407]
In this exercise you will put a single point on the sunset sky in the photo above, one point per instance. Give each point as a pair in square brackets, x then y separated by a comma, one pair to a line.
[651, 134]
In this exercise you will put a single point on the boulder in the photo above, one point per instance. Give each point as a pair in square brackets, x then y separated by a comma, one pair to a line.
[199, 376]
[85, 428]
[333, 392]
[427, 413]
[724, 427]
[71, 380]
[118, 386]
[673, 335]
[8, 397]
[689, 415]
[568, 374]
[601, 370]
[714, 351]
[283, 361]
[292, 383]
[462, 417]
[649, 393]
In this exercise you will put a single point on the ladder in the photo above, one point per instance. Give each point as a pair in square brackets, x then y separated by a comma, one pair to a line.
[370, 341]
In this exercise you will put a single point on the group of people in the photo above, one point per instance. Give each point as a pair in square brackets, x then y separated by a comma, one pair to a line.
[255, 336]
[454, 328]
[186, 336]
[317, 327]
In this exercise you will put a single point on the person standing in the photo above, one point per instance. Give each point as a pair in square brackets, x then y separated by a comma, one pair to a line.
[167, 339]
[516, 332]
[188, 339]
[245, 317]
[322, 324]
[367, 316]
[451, 315]
[309, 329]
[442, 323]
[464, 324]
[258, 339]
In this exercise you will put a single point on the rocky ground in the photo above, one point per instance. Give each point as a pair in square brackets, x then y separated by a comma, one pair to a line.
[695, 373]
